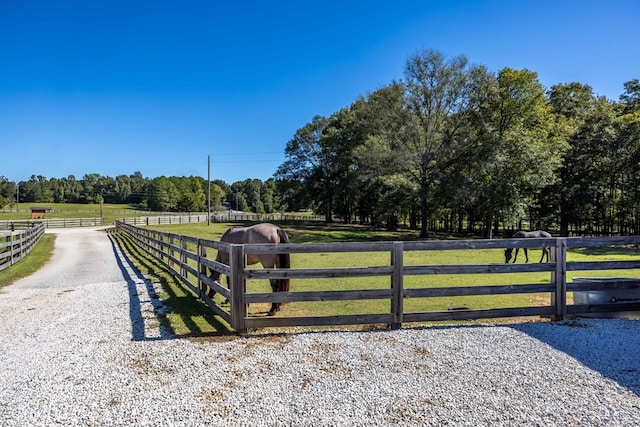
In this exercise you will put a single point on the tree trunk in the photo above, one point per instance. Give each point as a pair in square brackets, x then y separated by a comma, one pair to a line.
[488, 228]
[424, 231]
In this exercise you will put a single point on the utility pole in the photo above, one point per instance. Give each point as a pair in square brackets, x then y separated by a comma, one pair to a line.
[209, 189]
[17, 197]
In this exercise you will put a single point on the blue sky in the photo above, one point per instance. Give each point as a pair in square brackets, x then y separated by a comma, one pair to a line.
[116, 87]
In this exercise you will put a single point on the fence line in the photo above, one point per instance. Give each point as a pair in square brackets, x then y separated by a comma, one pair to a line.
[167, 219]
[186, 258]
[16, 244]
[53, 223]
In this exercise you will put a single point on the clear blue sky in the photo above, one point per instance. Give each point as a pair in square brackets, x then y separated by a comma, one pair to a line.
[115, 87]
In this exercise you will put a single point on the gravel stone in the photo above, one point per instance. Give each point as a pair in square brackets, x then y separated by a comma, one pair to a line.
[81, 346]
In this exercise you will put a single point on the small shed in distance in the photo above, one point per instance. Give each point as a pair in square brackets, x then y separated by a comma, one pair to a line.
[37, 212]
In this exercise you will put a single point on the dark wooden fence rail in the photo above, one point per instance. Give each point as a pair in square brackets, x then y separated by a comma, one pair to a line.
[186, 257]
[16, 244]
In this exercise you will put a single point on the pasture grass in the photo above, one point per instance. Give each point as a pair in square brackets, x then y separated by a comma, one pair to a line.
[32, 262]
[109, 211]
[320, 232]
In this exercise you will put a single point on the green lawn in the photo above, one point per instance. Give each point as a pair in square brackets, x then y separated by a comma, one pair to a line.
[31, 263]
[75, 210]
[190, 317]
[305, 233]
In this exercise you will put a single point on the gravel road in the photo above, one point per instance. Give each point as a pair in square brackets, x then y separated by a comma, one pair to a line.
[80, 345]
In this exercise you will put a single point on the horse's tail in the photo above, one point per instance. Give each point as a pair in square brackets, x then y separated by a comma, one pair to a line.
[284, 260]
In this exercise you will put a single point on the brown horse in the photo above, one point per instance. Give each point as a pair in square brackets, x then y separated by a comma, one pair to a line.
[259, 233]
[538, 234]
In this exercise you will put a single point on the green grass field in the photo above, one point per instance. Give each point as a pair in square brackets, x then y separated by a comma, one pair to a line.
[189, 316]
[307, 233]
[110, 212]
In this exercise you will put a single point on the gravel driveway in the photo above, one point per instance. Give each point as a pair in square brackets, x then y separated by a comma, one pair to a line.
[80, 345]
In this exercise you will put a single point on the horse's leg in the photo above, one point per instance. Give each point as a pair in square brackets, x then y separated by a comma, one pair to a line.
[215, 276]
[275, 287]
[545, 251]
[515, 257]
[278, 285]
[526, 255]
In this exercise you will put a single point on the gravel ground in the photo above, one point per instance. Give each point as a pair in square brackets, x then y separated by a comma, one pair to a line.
[80, 345]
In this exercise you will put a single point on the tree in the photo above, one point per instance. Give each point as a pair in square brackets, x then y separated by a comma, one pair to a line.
[309, 161]
[631, 96]
[588, 183]
[7, 191]
[519, 159]
[162, 195]
[192, 197]
[138, 188]
[217, 196]
[571, 104]
[419, 122]
[36, 189]
[628, 159]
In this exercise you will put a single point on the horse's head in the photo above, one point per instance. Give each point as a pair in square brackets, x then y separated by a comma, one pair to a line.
[507, 255]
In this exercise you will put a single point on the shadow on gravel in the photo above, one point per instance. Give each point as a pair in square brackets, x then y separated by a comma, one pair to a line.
[157, 325]
[607, 346]
[133, 278]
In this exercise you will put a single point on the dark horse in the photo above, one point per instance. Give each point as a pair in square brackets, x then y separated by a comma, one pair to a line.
[259, 233]
[539, 234]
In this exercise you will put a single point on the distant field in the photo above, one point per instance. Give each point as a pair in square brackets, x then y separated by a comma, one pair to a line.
[111, 212]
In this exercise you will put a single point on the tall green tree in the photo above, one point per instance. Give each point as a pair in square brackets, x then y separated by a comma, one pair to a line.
[571, 104]
[192, 197]
[515, 125]
[310, 161]
[162, 195]
[588, 181]
[628, 160]
[420, 123]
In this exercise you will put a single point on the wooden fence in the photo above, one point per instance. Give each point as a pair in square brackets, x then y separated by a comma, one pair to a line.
[225, 217]
[16, 244]
[186, 257]
[53, 223]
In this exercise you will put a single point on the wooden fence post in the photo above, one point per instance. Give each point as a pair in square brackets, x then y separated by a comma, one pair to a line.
[171, 252]
[21, 241]
[10, 240]
[184, 260]
[202, 269]
[397, 285]
[559, 277]
[238, 286]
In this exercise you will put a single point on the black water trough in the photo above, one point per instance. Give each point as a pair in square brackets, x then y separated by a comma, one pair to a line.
[612, 295]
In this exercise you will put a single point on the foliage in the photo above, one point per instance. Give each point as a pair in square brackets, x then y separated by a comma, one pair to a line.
[452, 147]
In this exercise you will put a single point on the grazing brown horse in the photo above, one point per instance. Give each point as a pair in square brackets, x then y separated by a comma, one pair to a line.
[259, 233]
[539, 234]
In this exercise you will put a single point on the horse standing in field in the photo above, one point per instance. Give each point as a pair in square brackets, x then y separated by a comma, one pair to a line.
[538, 234]
[259, 233]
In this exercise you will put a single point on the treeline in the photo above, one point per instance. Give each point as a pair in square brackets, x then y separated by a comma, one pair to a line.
[162, 194]
[462, 148]
[451, 146]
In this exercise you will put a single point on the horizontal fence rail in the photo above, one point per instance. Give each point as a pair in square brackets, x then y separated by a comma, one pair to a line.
[187, 258]
[226, 217]
[16, 244]
[53, 223]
